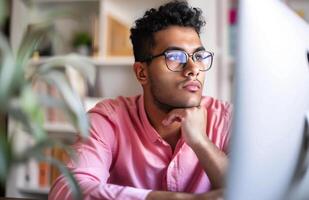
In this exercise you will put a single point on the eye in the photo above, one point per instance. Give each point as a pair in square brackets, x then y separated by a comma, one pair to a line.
[200, 56]
[176, 56]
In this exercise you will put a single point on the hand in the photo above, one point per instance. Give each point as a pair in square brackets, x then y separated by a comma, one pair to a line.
[193, 123]
[193, 128]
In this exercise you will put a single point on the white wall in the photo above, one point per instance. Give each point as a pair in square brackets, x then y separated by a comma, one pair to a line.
[117, 81]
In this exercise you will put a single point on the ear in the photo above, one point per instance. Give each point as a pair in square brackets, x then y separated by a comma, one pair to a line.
[141, 72]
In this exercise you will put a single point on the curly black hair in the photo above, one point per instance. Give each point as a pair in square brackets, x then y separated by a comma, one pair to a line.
[173, 13]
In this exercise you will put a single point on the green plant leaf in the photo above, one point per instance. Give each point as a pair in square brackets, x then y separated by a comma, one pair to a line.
[82, 64]
[41, 27]
[31, 38]
[74, 186]
[34, 129]
[3, 11]
[5, 157]
[30, 105]
[23, 104]
[7, 73]
[34, 112]
[39, 147]
[71, 99]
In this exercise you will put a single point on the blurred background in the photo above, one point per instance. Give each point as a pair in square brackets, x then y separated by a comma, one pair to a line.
[99, 29]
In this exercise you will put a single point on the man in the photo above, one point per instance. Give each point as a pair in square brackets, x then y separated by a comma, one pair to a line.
[170, 142]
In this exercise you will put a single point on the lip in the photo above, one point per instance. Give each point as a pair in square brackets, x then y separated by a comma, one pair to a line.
[192, 86]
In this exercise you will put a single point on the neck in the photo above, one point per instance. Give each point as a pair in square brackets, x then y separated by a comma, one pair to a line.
[156, 113]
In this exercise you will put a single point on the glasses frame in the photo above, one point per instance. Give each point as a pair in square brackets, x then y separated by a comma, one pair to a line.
[150, 58]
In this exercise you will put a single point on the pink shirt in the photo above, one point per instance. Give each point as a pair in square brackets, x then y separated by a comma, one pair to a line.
[125, 158]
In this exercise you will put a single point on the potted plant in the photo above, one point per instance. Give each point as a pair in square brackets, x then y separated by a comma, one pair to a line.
[23, 104]
[82, 43]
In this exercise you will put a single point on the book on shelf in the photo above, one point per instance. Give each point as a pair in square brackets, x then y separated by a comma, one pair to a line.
[44, 171]
[40, 174]
[61, 155]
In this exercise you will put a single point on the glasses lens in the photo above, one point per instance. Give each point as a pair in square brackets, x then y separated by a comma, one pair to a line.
[175, 60]
[203, 59]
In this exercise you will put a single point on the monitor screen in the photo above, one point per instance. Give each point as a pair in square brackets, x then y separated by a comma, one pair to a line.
[269, 144]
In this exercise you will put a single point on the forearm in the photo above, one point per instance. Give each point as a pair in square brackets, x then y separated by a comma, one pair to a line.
[93, 189]
[213, 160]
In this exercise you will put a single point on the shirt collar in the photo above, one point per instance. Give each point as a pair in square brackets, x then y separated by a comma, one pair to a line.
[150, 132]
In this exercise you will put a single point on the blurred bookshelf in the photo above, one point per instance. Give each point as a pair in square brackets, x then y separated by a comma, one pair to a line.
[34, 178]
[300, 7]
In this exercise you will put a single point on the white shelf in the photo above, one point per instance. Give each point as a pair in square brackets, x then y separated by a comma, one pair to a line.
[59, 127]
[34, 190]
[62, 131]
[109, 61]
[114, 61]
[60, 1]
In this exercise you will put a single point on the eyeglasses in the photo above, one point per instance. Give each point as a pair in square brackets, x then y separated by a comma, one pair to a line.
[176, 60]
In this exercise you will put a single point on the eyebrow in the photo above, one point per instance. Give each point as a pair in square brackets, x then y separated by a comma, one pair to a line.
[181, 49]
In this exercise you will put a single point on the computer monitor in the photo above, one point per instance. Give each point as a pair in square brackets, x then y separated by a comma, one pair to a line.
[269, 144]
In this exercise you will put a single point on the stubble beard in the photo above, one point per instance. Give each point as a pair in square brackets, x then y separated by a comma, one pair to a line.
[165, 104]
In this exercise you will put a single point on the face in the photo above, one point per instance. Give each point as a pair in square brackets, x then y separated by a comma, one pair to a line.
[168, 89]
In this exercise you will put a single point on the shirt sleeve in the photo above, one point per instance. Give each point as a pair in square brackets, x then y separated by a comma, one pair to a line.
[91, 170]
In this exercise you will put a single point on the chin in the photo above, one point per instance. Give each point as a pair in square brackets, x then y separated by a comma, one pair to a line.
[192, 104]
[189, 102]
[172, 100]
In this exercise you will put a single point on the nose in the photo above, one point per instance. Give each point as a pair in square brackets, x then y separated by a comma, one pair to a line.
[191, 69]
